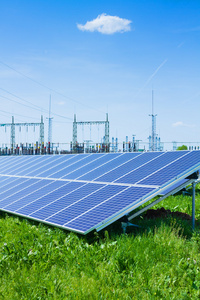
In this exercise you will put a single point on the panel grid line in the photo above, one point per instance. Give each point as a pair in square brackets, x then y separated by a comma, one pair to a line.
[73, 163]
[83, 166]
[163, 167]
[47, 163]
[10, 188]
[117, 167]
[29, 193]
[8, 163]
[96, 206]
[19, 163]
[100, 166]
[51, 167]
[85, 181]
[36, 180]
[138, 167]
[75, 201]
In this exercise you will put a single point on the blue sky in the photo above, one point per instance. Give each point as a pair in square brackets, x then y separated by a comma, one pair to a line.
[95, 57]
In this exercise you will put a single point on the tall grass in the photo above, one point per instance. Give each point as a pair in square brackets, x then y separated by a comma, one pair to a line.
[161, 260]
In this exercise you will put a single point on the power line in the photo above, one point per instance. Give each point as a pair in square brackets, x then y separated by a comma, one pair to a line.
[50, 89]
[19, 102]
[6, 112]
[36, 107]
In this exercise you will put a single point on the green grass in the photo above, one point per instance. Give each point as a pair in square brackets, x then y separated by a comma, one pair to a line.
[161, 260]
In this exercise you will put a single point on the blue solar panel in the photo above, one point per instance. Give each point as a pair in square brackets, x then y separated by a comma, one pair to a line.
[17, 162]
[110, 165]
[121, 170]
[49, 167]
[89, 191]
[108, 208]
[188, 161]
[73, 161]
[38, 166]
[43, 194]
[7, 161]
[4, 180]
[150, 167]
[22, 168]
[82, 204]
[99, 161]
[41, 200]
[83, 162]
[13, 186]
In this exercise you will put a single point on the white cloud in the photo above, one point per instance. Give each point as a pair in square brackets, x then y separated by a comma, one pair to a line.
[181, 124]
[106, 24]
[177, 124]
[61, 103]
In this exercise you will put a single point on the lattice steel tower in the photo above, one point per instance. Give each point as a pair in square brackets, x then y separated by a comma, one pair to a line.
[75, 123]
[153, 143]
[50, 124]
[13, 125]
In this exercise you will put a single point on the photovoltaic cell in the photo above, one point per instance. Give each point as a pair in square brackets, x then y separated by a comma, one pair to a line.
[18, 163]
[150, 167]
[104, 159]
[89, 191]
[46, 194]
[84, 204]
[76, 166]
[41, 200]
[39, 166]
[121, 170]
[107, 167]
[49, 167]
[174, 169]
[63, 166]
[108, 207]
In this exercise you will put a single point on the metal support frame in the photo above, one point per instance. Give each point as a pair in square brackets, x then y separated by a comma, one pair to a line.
[193, 204]
[138, 213]
[13, 125]
[126, 224]
[75, 124]
[191, 181]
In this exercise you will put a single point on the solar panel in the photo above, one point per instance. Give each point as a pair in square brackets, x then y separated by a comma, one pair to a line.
[84, 192]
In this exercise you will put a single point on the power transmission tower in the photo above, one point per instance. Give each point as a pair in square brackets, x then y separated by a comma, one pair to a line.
[75, 123]
[13, 125]
[50, 125]
[152, 140]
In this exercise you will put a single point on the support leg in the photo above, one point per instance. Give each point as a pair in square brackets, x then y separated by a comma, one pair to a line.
[193, 205]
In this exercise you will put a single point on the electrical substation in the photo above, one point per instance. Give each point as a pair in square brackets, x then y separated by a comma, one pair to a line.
[100, 142]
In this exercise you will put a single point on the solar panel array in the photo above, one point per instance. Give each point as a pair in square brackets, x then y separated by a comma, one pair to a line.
[82, 192]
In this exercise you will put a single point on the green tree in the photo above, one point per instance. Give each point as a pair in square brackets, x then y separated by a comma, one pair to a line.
[183, 147]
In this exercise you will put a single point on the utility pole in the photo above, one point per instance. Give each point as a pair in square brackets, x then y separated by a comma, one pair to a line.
[42, 132]
[74, 139]
[50, 125]
[153, 134]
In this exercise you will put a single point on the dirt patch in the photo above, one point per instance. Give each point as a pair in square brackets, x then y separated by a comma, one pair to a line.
[164, 213]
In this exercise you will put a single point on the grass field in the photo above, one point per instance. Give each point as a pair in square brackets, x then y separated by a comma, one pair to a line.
[161, 260]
